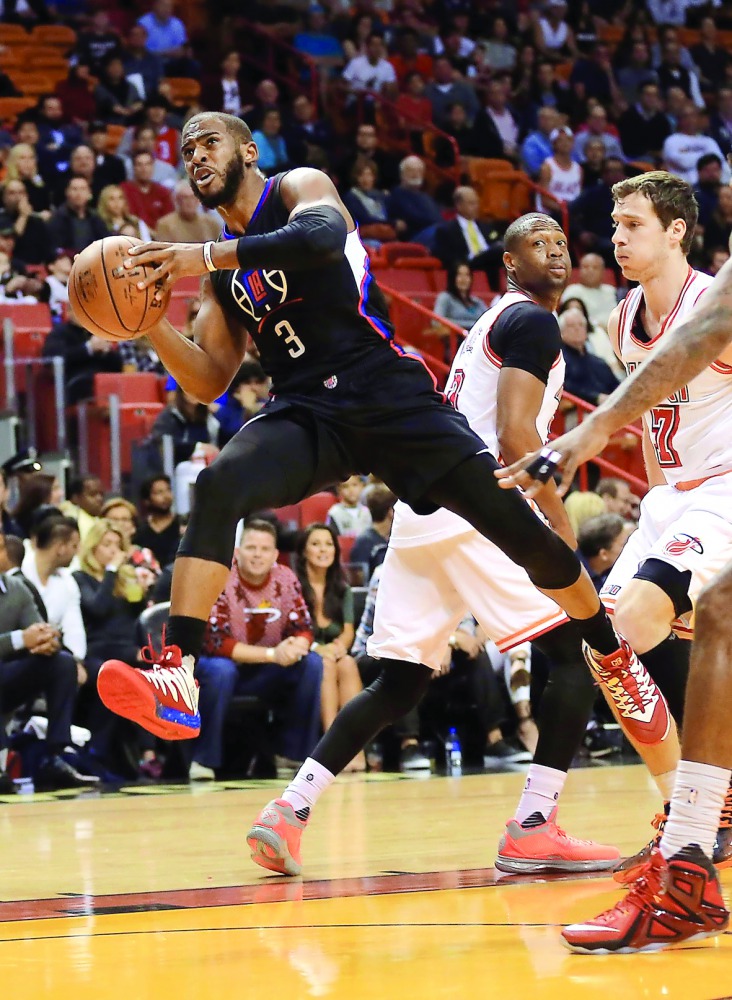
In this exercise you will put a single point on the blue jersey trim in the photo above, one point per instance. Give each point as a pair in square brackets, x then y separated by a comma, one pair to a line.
[363, 298]
[262, 198]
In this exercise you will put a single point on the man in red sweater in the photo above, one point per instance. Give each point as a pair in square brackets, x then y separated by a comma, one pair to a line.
[147, 199]
[258, 643]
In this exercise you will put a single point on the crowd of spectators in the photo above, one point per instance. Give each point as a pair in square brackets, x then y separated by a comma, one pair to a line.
[577, 96]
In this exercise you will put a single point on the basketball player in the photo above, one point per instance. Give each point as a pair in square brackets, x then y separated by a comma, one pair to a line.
[676, 896]
[290, 270]
[684, 535]
[507, 379]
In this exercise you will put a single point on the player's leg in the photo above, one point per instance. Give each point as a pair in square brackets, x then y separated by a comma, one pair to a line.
[416, 610]
[678, 897]
[470, 489]
[272, 461]
[533, 841]
[510, 610]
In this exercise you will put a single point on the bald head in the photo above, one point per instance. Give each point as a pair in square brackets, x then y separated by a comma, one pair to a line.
[411, 171]
[525, 224]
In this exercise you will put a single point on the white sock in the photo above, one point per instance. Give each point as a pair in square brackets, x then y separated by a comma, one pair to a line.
[696, 806]
[308, 785]
[541, 792]
[665, 784]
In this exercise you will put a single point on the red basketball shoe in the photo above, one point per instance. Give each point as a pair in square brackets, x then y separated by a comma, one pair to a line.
[672, 901]
[163, 699]
[545, 847]
[274, 838]
[639, 701]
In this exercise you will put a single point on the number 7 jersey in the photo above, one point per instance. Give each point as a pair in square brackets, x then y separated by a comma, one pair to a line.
[691, 431]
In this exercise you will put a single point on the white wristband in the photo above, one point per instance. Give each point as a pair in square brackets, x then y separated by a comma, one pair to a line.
[207, 259]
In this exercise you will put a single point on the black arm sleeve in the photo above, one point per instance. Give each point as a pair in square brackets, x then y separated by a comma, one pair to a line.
[316, 236]
[526, 336]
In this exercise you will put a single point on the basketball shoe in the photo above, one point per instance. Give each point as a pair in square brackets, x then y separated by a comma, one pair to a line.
[672, 901]
[162, 699]
[638, 700]
[539, 845]
[274, 838]
[630, 868]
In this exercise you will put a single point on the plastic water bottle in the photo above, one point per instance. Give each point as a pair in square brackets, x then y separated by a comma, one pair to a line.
[453, 754]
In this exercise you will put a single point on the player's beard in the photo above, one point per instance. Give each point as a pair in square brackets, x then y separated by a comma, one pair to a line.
[233, 179]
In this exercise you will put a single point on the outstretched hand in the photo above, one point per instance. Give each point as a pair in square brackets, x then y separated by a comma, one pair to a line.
[564, 454]
[170, 262]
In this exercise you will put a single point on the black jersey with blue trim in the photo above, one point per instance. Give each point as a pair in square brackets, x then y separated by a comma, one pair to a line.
[308, 325]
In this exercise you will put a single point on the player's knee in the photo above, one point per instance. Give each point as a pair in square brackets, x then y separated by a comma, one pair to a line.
[647, 606]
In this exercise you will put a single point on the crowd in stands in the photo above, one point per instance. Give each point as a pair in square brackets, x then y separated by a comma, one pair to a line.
[399, 102]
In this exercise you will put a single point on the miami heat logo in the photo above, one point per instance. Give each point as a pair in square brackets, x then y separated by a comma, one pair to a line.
[258, 292]
[681, 543]
[257, 619]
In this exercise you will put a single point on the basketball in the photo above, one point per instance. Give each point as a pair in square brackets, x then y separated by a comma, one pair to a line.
[104, 295]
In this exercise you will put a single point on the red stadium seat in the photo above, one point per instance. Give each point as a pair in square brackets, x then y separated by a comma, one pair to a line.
[131, 387]
[315, 508]
[289, 516]
[345, 543]
[393, 251]
[136, 421]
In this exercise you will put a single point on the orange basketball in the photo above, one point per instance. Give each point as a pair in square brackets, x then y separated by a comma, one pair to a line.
[104, 294]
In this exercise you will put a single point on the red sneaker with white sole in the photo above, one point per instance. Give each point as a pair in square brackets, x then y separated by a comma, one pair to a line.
[671, 902]
[639, 701]
[162, 699]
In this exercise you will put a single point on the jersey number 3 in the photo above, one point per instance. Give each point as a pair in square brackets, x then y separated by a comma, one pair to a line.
[284, 329]
[664, 424]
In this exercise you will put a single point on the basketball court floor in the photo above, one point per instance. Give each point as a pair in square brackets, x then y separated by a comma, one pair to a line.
[149, 894]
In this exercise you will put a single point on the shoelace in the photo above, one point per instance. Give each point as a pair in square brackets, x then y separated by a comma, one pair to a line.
[725, 820]
[576, 841]
[642, 895]
[156, 660]
[628, 700]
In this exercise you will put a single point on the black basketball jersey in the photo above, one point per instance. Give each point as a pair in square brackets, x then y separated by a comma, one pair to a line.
[308, 325]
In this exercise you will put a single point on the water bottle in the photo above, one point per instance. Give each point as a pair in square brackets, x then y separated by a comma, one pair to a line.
[453, 754]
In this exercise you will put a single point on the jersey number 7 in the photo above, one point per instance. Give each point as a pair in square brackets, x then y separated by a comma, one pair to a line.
[664, 424]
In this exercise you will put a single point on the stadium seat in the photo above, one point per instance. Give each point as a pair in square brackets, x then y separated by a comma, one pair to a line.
[114, 136]
[177, 311]
[32, 84]
[130, 387]
[393, 251]
[406, 280]
[345, 544]
[183, 89]
[11, 107]
[418, 263]
[136, 420]
[13, 34]
[315, 508]
[289, 516]
[58, 35]
[27, 315]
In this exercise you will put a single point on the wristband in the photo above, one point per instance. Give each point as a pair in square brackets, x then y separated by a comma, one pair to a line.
[270, 655]
[207, 259]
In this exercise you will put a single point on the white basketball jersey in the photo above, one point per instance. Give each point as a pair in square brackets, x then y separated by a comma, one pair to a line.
[691, 430]
[473, 390]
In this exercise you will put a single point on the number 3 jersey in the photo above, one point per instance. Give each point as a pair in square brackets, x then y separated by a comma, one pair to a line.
[691, 431]
[307, 324]
[514, 333]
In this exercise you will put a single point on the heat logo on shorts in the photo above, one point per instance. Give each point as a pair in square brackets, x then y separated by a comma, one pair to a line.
[681, 543]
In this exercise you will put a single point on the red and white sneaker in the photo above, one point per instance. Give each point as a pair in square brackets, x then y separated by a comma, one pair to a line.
[274, 838]
[631, 868]
[672, 901]
[640, 704]
[545, 847]
[162, 699]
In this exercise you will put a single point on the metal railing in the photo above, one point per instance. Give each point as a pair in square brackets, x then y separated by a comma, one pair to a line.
[265, 59]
